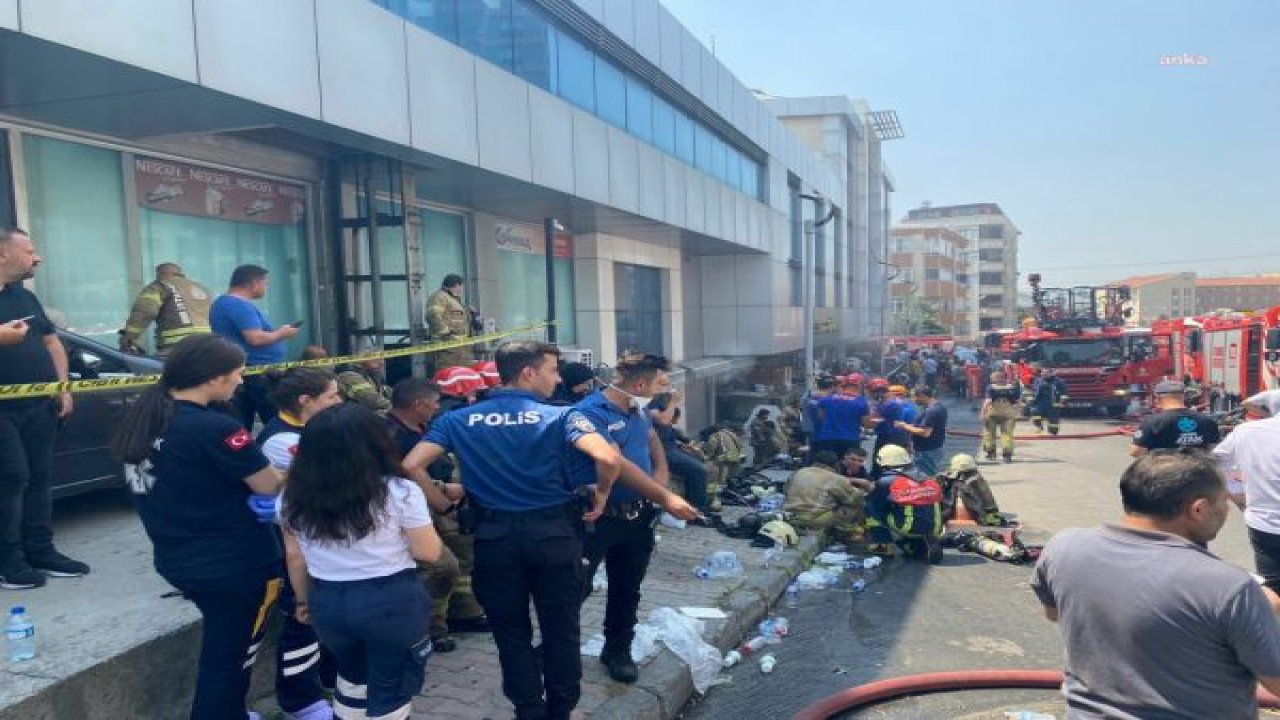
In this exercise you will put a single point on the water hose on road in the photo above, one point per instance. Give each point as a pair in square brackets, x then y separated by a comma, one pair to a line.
[893, 688]
[1123, 430]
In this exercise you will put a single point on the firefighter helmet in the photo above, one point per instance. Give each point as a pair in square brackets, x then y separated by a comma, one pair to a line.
[963, 462]
[893, 456]
[488, 370]
[459, 381]
[778, 532]
[877, 384]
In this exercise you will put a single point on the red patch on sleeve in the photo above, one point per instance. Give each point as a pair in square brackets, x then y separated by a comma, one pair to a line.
[293, 450]
[240, 440]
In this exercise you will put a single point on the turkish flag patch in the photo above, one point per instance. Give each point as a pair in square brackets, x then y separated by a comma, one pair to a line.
[240, 440]
[293, 450]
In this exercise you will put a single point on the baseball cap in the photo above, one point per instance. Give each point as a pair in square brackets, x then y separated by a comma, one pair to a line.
[1169, 387]
[575, 373]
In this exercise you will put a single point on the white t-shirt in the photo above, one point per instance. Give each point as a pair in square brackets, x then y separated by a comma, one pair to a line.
[385, 551]
[1253, 449]
[280, 449]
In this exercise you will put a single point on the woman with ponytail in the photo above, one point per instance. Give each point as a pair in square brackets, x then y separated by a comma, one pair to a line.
[191, 469]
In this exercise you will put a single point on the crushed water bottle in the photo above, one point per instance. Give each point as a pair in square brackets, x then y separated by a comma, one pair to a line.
[753, 645]
[19, 635]
[793, 596]
[767, 663]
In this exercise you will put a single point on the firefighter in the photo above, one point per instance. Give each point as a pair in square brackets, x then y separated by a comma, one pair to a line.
[449, 319]
[1048, 394]
[999, 416]
[903, 509]
[964, 484]
[363, 382]
[766, 439]
[179, 307]
[822, 500]
[723, 449]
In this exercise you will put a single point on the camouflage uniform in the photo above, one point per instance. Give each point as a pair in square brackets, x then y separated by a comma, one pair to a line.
[179, 307]
[724, 451]
[448, 580]
[356, 384]
[448, 319]
[822, 500]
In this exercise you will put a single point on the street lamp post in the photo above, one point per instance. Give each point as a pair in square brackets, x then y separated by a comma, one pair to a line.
[810, 268]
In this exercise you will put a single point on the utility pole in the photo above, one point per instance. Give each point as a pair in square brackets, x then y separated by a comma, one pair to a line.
[810, 268]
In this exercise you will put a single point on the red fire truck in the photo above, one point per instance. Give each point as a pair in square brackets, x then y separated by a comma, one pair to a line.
[1079, 332]
[1232, 355]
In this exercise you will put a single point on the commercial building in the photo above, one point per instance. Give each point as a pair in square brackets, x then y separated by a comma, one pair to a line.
[361, 150]
[1237, 293]
[993, 249]
[930, 266]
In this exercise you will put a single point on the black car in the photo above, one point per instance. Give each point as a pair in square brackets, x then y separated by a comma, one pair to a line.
[81, 458]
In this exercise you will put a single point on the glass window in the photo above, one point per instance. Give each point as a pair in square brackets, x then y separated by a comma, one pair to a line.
[664, 125]
[75, 206]
[535, 49]
[637, 292]
[684, 138]
[991, 255]
[734, 168]
[639, 109]
[990, 232]
[437, 16]
[991, 278]
[611, 93]
[703, 146]
[523, 279]
[931, 274]
[576, 72]
[7, 215]
[751, 177]
[484, 28]
[442, 242]
[719, 158]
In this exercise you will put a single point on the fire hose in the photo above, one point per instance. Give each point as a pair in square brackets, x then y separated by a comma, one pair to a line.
[893, 688]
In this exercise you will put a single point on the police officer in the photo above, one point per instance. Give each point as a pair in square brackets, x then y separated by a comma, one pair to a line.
[179, 307]
[1176, 425]
[623, 537]
[528, 530]
[449, 319]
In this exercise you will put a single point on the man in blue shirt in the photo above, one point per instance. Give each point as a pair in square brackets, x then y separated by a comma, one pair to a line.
[929, 431]
[237, 319]
[512, 449]
[623, 536]
[888, 412]
[841, 416]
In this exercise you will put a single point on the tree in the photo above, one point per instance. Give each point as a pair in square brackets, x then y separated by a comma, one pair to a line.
[918, 317]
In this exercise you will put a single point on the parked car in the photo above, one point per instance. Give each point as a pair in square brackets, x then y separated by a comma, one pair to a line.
[81, 457]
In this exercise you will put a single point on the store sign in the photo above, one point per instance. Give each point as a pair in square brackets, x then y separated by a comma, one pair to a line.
[515, 237]
[193, 190]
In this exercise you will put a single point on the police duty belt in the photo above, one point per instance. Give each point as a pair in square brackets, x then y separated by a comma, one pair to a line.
[49, 389]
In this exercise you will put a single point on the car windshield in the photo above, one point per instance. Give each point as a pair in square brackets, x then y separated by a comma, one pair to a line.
[1078, 353]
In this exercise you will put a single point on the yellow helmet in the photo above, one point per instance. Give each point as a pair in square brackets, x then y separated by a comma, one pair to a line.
[893, 456]
[963, 463]
[781, 533]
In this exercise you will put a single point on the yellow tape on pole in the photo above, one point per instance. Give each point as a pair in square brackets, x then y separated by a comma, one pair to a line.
[48, 389]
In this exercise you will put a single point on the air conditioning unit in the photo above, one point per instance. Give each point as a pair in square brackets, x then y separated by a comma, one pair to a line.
[578, 355]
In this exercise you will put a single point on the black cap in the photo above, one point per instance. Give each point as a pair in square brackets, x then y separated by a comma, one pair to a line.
[574, 373]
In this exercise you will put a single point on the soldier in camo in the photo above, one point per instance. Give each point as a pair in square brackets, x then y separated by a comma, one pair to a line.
[179, 307]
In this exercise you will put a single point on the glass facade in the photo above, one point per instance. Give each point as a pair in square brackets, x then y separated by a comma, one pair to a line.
[522, 266]
[637, 291]
[207, 220]
[518, 37]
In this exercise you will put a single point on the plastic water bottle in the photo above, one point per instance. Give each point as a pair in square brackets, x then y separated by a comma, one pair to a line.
[767, 662]
[731, 658]
[753, 645]
[793, 596]
[781, 627]
[858, 586]
[19, 635]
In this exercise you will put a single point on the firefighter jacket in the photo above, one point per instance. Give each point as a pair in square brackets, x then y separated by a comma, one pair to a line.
[815, 490]
[723, 447]
[1047, 394]
[447, 317]
[357, 385]
[179, 307]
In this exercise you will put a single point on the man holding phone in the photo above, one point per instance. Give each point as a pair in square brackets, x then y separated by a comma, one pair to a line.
[30, 352]
[236, 318]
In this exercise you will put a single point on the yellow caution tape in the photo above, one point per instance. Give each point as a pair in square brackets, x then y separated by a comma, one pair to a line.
[48, 389]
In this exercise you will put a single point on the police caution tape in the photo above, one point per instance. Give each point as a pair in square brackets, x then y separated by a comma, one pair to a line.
[47, 389]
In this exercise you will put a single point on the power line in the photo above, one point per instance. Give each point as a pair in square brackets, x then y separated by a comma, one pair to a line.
[1184, 261]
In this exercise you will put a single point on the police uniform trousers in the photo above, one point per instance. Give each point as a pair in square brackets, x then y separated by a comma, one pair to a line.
[623, 539]
[235, 610]
[533, 554]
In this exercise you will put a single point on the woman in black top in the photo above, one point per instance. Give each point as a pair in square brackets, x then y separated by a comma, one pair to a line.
[191, 469]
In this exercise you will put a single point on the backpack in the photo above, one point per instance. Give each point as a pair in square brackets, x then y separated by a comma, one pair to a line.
[906, 490]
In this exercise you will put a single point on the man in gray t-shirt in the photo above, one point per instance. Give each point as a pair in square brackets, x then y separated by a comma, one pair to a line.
[1155, 626]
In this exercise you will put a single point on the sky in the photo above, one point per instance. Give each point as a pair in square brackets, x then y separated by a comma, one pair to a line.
[1110, 160]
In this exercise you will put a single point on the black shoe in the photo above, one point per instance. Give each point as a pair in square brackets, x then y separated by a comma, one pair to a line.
[991, 455]
[443, 643]
[461, 626]
[933, 550]
[18, 575]
[55, 564]
[620, 666]
[1008, 457]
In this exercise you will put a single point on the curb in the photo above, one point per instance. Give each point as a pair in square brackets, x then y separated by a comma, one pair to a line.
[665, 684]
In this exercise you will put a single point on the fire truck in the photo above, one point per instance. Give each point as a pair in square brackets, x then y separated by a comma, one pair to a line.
[1079, 332]
[1231, 355]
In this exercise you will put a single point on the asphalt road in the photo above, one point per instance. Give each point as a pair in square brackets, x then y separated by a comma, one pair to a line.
[968, 613]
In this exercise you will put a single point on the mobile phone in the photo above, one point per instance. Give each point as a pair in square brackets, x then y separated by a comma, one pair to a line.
[298, 324]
